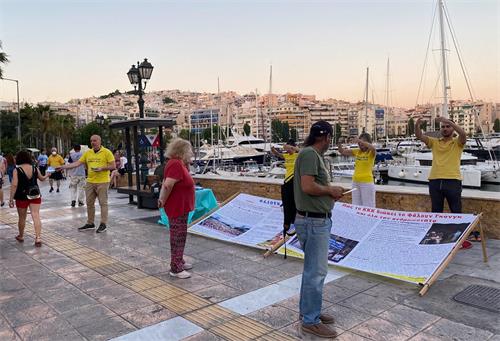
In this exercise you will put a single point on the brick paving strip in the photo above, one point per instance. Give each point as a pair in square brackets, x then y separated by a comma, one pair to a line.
[208, 315]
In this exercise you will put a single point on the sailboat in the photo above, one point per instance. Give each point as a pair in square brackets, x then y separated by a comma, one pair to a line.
[419, 165]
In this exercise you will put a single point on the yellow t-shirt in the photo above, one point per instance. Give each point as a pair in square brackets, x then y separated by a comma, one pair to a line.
[363, 166]
[445, 158]
[96, 160]
[55, 161]
[289, 165]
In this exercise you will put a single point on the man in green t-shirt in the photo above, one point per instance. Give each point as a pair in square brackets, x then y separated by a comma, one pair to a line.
[314, 198]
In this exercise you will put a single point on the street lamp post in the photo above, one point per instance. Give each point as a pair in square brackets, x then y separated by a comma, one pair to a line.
[18, 109]
[137, 74]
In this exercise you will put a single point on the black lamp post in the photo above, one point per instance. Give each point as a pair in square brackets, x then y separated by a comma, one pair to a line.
[138, 74]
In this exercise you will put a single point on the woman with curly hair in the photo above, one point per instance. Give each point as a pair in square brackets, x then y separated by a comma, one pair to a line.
[177, 198]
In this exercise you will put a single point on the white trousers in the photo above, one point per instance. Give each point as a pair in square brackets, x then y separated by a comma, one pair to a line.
[77, 184]
[364, 195]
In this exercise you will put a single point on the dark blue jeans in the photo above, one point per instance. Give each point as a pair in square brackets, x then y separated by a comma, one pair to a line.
[449, 189]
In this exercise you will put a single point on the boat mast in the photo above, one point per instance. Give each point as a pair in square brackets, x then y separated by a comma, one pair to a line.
[365, 129]
[446, 87]
[269, 106]
[257, 113]
[386, 103]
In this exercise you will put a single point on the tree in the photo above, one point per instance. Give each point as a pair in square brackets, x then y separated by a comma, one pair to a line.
[246, 129]
[411, 127]
[294, 134]
[496, 126]
[338, 133]
[168, 100]
[184, 134]
[3, 59]
[216, 131]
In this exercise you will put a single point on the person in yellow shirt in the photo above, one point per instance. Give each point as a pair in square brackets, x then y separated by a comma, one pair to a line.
[99, 162]
[445, 180]
[287, 196]
[362, 179]
[55, 161]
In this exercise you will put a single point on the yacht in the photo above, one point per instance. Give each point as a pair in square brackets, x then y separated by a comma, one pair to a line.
[418, 166]
[250, 141]
[235, 154]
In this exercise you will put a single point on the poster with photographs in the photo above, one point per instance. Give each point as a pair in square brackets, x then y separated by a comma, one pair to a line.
[247, 220]
[408, 246]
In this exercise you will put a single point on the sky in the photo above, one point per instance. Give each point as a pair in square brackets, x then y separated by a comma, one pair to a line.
[67, 49]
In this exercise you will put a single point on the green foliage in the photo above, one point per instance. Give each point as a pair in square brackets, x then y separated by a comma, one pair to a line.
[411, 127]
[496, 126]
[82, 135]
[184, 134]
[294, 134]
[207, 134]
[338, 133]
[280, 131]
[246, 129]
[3, 59]
[168, 100]
[111, 94]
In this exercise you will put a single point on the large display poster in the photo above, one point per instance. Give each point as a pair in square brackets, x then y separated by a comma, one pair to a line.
[247, 220]
[408, 246]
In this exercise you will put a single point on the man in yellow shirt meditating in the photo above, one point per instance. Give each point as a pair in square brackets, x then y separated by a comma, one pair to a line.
[445, 180]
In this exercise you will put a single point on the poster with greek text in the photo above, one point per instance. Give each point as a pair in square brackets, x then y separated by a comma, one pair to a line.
[247, 220]
[408, 246]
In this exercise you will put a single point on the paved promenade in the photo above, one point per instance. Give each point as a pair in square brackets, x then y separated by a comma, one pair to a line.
[115, 285]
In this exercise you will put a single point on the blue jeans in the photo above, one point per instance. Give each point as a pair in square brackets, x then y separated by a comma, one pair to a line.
[314, 236]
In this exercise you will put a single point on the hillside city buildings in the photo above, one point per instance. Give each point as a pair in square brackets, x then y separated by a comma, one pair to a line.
[195, 112]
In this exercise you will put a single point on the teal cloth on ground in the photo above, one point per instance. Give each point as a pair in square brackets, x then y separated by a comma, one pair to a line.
[204, 202]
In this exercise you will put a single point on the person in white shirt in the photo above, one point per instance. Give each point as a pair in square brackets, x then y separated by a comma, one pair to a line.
[77, 178]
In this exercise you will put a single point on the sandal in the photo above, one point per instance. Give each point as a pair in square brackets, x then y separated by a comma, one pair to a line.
[38, 242]
[20, 239]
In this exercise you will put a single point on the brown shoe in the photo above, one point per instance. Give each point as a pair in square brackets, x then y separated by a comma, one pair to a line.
[324, 318]
[320, 330]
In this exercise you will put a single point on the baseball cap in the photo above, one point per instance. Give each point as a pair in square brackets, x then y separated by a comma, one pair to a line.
[291, 142]
[321, 128]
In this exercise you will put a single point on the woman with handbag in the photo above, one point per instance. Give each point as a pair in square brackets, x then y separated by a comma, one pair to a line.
[25, 191]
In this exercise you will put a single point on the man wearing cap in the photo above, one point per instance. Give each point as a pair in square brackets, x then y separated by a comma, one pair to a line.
[314, 198]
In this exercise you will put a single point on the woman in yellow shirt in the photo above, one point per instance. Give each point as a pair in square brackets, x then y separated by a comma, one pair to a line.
[55, 160]
[287, 198]
[362, 180]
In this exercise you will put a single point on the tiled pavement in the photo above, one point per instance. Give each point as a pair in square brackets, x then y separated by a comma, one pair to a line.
[87, 286]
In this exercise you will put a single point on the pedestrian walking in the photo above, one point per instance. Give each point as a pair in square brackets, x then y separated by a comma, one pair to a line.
[362, 179]
[314, 198]
[11, 165]
[42, 161]
[177, 198]
[76, 178]
[99, 162]
[55, 161]
[26, 193]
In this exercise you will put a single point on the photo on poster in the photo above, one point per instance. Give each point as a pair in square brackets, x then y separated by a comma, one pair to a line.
[216, 223]
[443, 233]
[340, 247]
[270, 242]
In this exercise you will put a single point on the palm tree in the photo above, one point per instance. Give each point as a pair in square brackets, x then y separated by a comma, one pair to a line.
[3, 59]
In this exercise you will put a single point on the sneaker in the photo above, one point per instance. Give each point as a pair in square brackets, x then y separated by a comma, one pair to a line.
[188, 266]
[182, 275]
[80, 203]
[51, 189]
[320, 330]
[86, 227]
[57, 190]
[73, 203]
[2, 204]
[324, 318]
[102, 227]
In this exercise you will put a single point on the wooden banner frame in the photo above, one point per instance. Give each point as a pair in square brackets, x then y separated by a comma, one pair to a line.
[425, 286]
[430, 281]
[222, 204]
